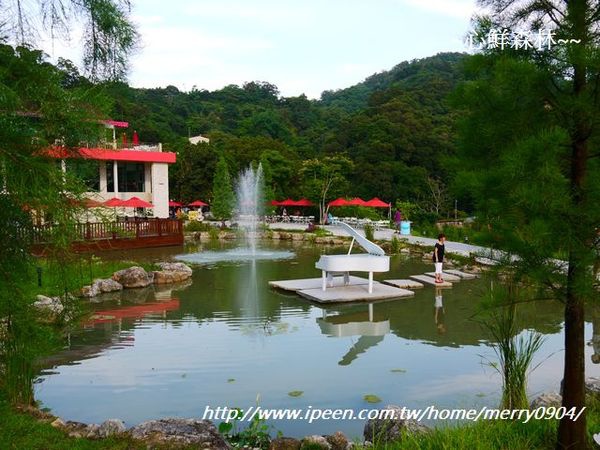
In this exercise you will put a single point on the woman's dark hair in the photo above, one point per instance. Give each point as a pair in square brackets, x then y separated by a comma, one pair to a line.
[441, 235]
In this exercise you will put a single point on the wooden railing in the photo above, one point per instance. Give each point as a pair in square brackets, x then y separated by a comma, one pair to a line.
[94, 231]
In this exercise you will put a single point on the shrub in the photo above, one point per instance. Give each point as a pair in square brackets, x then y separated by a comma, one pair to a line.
[369, 232]
[194, 226]
[395, 245]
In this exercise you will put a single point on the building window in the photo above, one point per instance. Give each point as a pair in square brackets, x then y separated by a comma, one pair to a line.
[110, 176]
[86, 170]
[132, 177]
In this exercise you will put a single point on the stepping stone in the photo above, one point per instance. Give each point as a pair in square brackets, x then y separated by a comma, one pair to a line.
[446, 276]
[406, 284]
[486, 261]
[431, 281]
[463, 275]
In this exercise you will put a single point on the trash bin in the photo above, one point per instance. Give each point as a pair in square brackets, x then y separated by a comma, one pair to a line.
[405, 227]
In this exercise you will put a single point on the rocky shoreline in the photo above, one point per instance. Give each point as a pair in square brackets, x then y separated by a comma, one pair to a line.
[204, 434]
[51, 308]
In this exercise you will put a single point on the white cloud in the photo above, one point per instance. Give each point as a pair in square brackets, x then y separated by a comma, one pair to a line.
[276, 13]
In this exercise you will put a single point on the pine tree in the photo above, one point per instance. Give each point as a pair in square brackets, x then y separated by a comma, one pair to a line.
[529, 154]
[223, 196]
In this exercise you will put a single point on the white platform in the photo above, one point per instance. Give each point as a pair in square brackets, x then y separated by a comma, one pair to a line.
[446, 276]
[315, 283]
[405, 284]
[355, 293]
[430, 280]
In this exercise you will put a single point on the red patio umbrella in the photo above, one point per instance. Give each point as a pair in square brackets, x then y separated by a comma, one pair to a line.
[274, 203]
[287, 202]
[174, 204]
[136, 202]
[339, 202]
[135, 139]
[114, 202]
[198, 203]
[377, 203]
[304, 202]
[357, 201]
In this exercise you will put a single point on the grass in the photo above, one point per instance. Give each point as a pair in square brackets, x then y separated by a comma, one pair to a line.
[20, 430]
[74, 274]
[493, 435]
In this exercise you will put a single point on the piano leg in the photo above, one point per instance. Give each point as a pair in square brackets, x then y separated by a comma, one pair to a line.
[324, 274]
[370, 282]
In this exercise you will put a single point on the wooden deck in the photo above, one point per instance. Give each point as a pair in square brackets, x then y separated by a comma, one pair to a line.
[94, 236]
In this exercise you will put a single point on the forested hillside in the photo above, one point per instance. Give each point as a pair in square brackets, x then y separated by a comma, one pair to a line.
[387, 136]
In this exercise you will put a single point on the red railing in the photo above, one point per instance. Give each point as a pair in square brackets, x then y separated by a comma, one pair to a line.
[94, 231]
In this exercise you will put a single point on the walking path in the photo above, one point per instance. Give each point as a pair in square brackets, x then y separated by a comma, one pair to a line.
[386, 234]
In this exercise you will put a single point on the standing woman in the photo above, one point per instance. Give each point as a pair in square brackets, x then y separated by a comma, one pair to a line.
[398, 220]
[438, 257]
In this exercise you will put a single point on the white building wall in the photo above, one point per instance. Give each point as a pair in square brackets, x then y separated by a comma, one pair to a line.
[160, 189]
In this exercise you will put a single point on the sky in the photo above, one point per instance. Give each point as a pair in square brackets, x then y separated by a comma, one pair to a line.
[302, 46]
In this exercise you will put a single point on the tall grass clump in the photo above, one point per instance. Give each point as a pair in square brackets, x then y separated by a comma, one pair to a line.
[515, 350]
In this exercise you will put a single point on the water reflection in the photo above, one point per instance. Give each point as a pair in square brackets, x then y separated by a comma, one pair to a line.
[369, 328]
[439, 312]
[595, 342]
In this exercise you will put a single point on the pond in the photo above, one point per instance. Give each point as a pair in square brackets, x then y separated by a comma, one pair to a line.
[227, 339]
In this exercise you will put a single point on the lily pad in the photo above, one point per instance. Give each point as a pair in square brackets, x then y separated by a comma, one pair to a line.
[371, 398]
[398, 370]
[230, 380]
[295, 393]
[480, 394]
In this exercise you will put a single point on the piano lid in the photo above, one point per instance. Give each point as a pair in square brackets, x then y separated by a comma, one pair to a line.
[370, 247]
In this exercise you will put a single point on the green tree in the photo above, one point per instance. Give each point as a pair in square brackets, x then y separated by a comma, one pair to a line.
[528, 153]
[324, 179]
[223, 196]
[109, 36]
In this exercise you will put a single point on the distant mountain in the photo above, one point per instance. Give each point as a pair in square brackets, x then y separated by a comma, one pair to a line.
[408, 75]
[397, 127]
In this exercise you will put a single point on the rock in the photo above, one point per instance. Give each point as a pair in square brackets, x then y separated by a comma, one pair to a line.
[315, 442]
[338, 441]
[92, 431]
[592, 385]
[297, 236]
[77, 429]
[390, 428]
[101, 286]
[51, 306]
[546, 399]
[172, 273]
[133, 277]
[58, 423]
[180, 431]
[284, 443]
[108, 285]
[111, 427]
[89, 291]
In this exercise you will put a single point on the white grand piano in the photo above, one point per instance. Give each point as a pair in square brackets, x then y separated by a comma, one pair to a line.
[375, 260]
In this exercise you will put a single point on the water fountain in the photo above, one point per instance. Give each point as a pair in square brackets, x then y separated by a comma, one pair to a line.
[248, 213]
